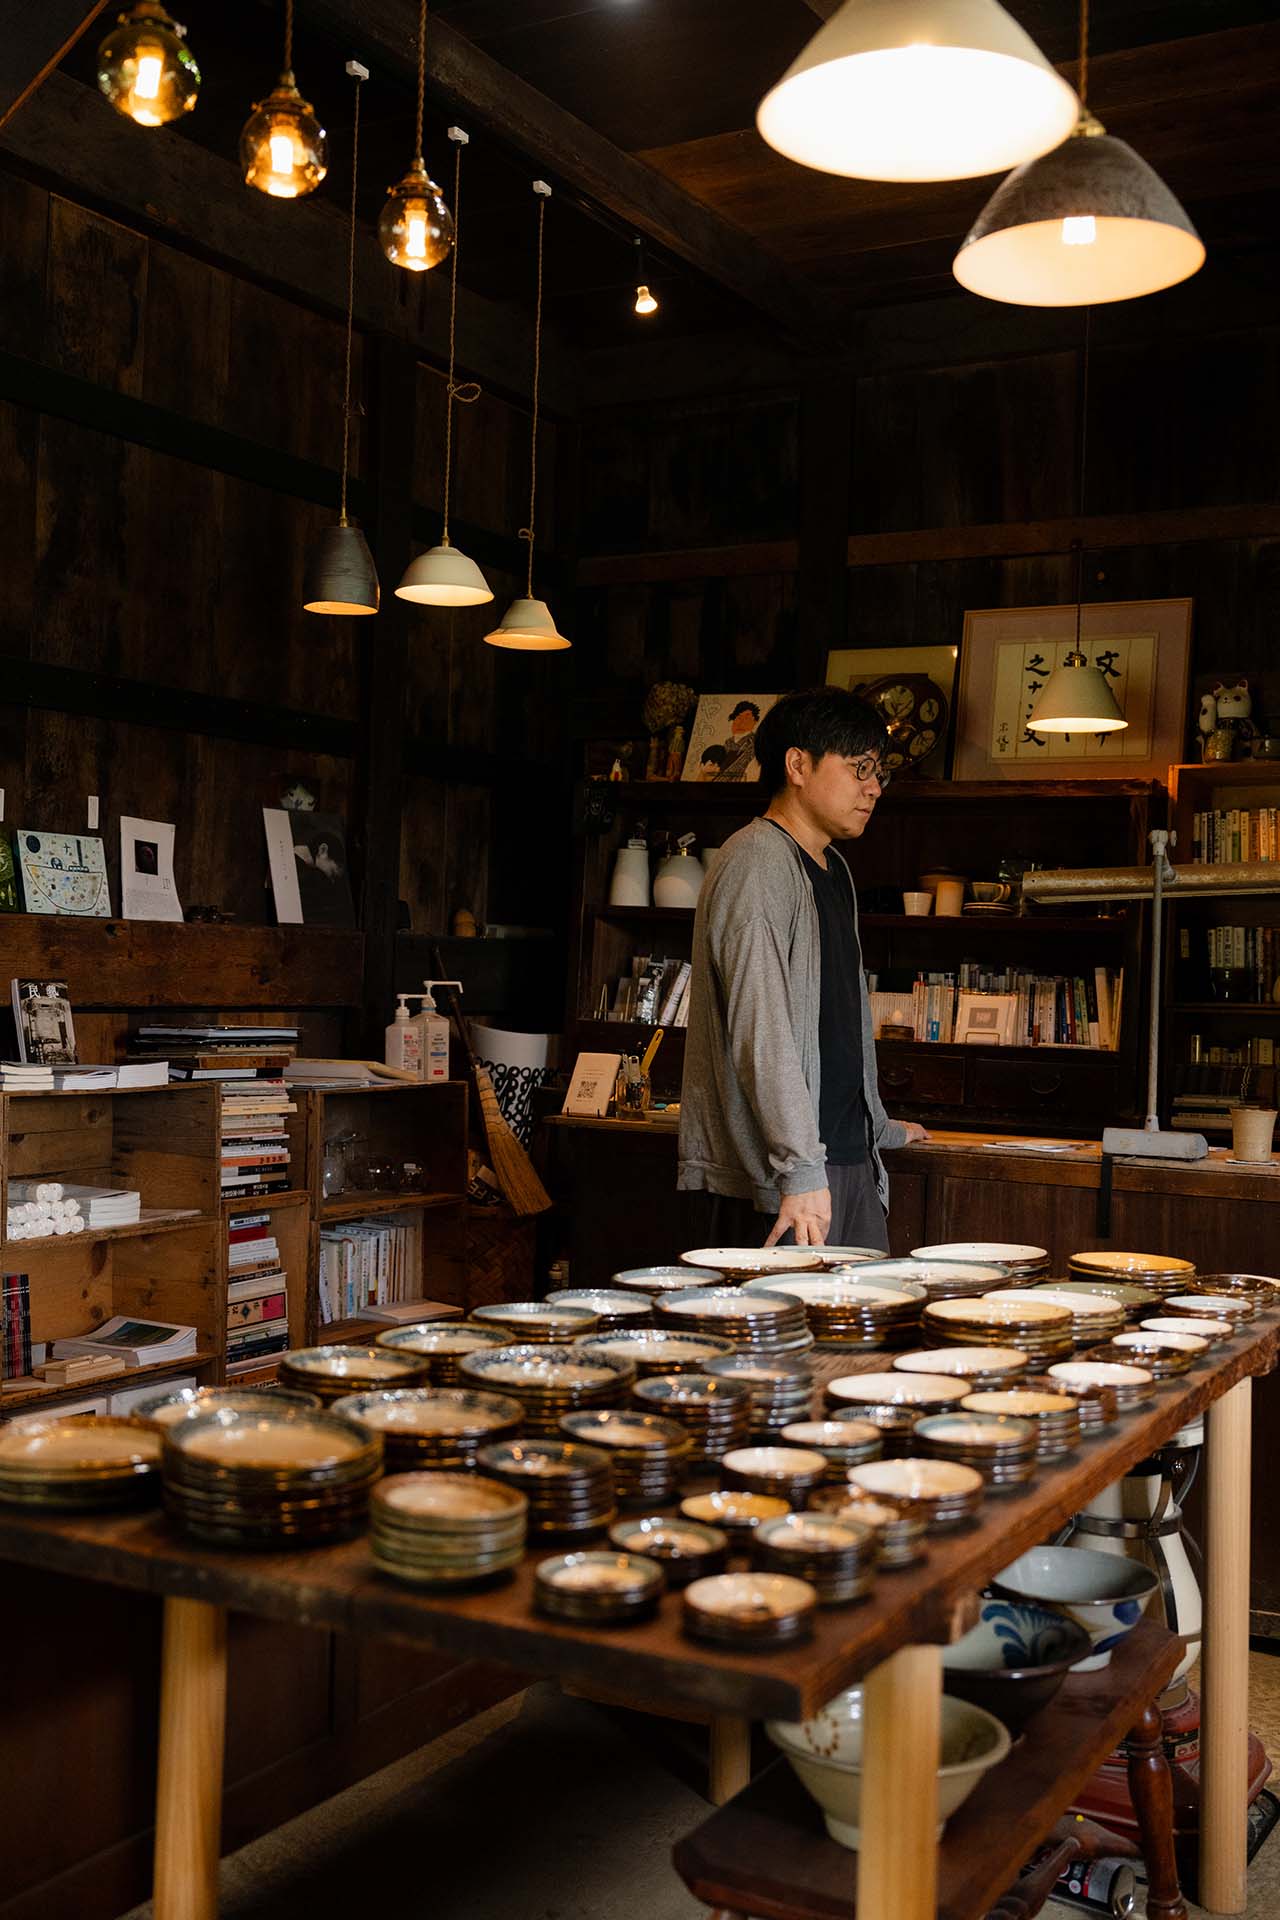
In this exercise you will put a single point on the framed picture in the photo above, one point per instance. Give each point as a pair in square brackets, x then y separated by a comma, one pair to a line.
[722, 745]
[62, 873]
[918, 729]
[1007, 655]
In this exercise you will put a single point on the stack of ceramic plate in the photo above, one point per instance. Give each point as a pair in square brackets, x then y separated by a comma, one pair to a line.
[736, 1264]
[68, 1461]
[1092, 1319]
[1158, 1271]
[655, 1350]
[944, 1491]
[716, 1414]
[980, 1366]
[331, 1372]
[549, 1381]
[650, 1455]
[655, 1280]
[440, 1344]
[753, 1611]
[791, 1473]
[1264, 1292]
[443, 1427]
[1095, 1401]
[569, 1487]
[764, 1323]
[162, 1409]
[1235, 1308]
[941, 1279]
[837, 1557]
[899, 1523]
[614, 1307]
[736, 1513]
[1002, 1449]
[1135, 1301]
[444, 1529]
[685, 1549]
[1041, 1330]
[1165, 1355]
[1212, 1331]
[780, 1390]
[1130, 1383]
[538, 1323]
[1054, 1417]
[868, 1395]
[833, 1257]
[279, 1477]
[603, 1589]
[842, 1443]
[843, 1310]
[1020, 1262]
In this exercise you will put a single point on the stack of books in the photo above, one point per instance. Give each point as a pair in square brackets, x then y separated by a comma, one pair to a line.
[104, 1206]
[15, 1326]
[370, 1264]
[247, 1063]
[257, 1295]
[17, 1077]
[139, 1343]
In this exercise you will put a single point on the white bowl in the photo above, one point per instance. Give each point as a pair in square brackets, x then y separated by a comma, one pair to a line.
[826, 1754]
[1102, 1592]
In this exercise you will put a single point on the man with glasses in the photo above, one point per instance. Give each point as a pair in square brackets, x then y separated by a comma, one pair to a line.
[781, 1123]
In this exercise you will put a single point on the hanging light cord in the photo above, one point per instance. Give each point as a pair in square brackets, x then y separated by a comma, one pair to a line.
[351, 302]
[288, 36]
[1083, 87]
[422, 78]
[1078, 542]
[527, 533]
[469, 390]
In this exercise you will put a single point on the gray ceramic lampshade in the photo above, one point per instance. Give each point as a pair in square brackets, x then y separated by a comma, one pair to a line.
[528, 626]
[341, 577]
[1088, 223]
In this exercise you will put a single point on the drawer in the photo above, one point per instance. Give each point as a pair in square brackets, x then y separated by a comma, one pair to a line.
[922, 1076]
[1057, 1084]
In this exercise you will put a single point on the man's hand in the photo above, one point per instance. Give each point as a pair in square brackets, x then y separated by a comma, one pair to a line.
[807, 1215]
[914, 1132]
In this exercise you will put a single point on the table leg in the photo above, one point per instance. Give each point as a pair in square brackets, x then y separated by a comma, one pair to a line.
[1151, 1789]
[730, 1757]
[1224, 1710]
[193, 1703]
[898, 1856]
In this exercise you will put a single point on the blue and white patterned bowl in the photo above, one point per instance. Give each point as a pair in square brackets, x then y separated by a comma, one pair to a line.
[1014, 1660]
[1101, 1592]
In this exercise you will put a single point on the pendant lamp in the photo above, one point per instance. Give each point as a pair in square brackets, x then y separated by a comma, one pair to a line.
[341, 577]
[527, 625]
[443, 577]
[415, 226]
[1084, 225]
[645, 300]
[917, 90]
[144, 68]
[283, 148]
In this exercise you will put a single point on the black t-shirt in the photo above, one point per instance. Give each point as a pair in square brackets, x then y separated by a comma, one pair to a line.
[842, 1109]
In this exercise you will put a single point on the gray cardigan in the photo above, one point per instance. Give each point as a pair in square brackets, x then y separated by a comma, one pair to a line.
[752, 1078]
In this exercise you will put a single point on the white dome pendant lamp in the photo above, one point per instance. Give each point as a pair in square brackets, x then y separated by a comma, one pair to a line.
[917, 90]
[528, 626]
[443, 577]
[1085, 225]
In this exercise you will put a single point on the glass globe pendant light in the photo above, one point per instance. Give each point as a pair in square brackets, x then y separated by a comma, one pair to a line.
[443, 577]
[1084, 225]
[283, 148]
[144, 68]
[528, 625]
[340, 576]
[415, 226]
[917, 90]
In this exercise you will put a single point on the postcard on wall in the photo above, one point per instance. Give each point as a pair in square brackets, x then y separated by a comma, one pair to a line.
[46, 1029]
[722, 745]
[310, 878]
[63, 873]
[147, 889]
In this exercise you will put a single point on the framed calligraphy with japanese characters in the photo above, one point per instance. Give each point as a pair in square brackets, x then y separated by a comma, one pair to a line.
[1143, 648]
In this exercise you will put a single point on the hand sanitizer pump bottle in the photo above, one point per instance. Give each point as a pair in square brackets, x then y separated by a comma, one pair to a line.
[404, 1038]
[434, 1029]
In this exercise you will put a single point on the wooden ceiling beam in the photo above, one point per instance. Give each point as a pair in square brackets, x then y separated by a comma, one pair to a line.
[33, 41]
[385, 32]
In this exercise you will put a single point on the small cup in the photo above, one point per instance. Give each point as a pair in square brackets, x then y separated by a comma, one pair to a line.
[917, 904]
[950, 898]
[991, 892]
[1251, 1131]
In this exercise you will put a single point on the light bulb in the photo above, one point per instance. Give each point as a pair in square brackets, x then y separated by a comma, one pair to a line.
[416, 232]
[145, 70]
[415, 226]
[284, 150]
[1079, 230]
[645, 302]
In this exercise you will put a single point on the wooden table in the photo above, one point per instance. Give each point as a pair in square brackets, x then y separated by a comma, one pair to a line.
[893, 1638]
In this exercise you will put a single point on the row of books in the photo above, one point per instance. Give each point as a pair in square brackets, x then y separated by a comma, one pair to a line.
[15, 1326]
[1253, 950]
[1029, 1010]
[369, 1265]
[1204, 1093]
[257, 1295]
[655, 993]
[1235, 834]
[1260, 1051]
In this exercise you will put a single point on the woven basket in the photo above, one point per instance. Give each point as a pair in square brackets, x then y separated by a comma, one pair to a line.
[499, 1256]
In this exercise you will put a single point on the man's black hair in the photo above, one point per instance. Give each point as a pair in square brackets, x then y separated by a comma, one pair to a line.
[716, 755]
[745, 706]
[820, 720]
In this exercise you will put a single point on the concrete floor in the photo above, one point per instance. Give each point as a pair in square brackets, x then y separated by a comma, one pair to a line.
[545, 1808]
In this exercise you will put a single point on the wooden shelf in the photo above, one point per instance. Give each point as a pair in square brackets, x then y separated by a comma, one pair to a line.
[362, 1203]
[32, 1398]
[1271, 1008]
[262, 1202]
[981, 925]
[153, 1221]
[147, 963]
[681, 916]
[333, 1332]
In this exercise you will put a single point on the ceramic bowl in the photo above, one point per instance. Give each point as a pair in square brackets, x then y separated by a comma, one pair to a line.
[826, 1754]
[1014, 1660]
[1102, 1592]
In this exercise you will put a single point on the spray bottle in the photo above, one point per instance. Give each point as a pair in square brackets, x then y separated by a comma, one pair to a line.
[434, 1031]
[404, 1038]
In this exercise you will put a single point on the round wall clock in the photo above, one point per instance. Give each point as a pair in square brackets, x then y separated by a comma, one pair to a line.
[914, 709]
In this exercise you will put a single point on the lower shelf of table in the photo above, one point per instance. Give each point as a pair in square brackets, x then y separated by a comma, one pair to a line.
[767, 1852]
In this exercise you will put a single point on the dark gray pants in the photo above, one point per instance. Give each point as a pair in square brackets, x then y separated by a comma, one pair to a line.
[857, 1218]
